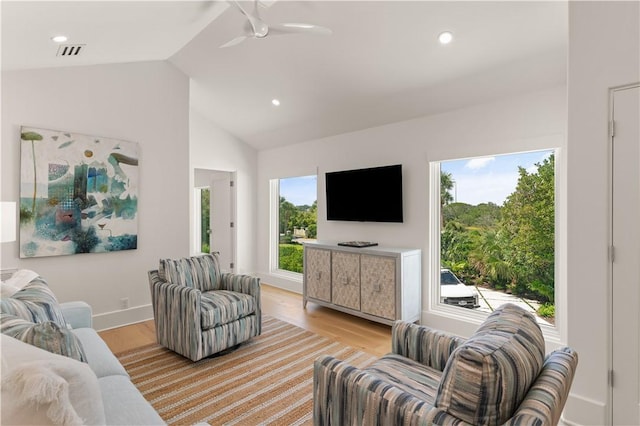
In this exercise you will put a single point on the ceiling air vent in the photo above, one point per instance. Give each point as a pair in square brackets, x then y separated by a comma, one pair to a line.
[70, 49]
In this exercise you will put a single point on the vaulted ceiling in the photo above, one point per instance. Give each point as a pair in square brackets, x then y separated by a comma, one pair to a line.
[383, 62]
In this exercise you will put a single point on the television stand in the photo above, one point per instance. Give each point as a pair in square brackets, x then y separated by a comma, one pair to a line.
[381, 284]
[358, 244]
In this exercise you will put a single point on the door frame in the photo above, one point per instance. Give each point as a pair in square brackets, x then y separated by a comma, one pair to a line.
[610, 271]
[233, 213]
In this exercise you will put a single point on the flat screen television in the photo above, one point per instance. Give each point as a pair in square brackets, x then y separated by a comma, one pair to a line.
[365, 195]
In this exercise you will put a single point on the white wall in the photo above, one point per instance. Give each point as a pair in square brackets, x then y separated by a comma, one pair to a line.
[146, 103]
[533, 121]
[604, 52]
[214, 149]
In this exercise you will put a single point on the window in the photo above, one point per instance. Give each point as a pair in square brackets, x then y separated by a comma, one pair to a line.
[295, 220]
[496, 231]
[202, 198]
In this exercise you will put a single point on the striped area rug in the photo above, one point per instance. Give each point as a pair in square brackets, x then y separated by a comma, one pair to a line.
[268, 380]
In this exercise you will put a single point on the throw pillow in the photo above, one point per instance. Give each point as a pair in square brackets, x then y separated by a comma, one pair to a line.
[42, 388]
[35, 303]
[45, 335]
[488, 376]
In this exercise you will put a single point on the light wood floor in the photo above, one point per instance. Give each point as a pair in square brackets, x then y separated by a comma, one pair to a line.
[359, 333]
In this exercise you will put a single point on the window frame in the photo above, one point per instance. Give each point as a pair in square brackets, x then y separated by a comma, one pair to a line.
[554, 334]
[274, 230]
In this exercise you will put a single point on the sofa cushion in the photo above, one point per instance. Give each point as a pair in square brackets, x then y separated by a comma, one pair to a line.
[199, 272]
[73, 389]
[99, 356]
[224, 306]
[488, 376]
[77, 314]
[409, 375]
[44, 335]
[35, 302]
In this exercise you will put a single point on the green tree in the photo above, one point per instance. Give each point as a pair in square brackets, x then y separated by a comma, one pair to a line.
[488, 260]
[308, 218]
[312, 229]
[446, 185]
[456, 242]
[527, 231]
[485, 215]
[287, 214]
[463, 238]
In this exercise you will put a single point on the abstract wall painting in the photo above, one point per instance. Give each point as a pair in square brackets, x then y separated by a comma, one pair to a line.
[78, 193]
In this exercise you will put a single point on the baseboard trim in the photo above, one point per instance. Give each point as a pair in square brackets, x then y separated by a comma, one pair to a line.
[114, 319]
[580, 410]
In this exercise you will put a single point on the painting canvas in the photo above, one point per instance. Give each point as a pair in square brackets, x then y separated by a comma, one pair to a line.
[78, 193]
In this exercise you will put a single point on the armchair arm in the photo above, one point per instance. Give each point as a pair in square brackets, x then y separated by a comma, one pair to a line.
[246, 284]
[545, 400]
[423, 344]
[345, 395]
[176, 310]
[77, 314]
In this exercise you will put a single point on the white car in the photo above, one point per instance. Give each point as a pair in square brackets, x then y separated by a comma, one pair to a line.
[454, 292]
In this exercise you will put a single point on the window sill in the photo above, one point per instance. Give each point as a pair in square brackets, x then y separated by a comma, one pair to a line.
[287, 275]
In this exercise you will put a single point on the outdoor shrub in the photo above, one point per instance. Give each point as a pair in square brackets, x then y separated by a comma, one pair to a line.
[548, 310]
[290, 257]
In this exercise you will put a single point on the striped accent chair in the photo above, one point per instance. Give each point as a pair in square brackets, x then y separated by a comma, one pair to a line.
[499, 376]
[200, 311]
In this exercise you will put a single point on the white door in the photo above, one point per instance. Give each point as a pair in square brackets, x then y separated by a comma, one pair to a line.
[222, 219]
[626, 256]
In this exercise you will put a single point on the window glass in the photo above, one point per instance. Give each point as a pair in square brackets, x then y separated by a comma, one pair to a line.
[497, 232]
[297, 219]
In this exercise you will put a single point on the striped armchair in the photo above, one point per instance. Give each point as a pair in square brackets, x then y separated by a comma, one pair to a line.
[200, 311]
[499, 376]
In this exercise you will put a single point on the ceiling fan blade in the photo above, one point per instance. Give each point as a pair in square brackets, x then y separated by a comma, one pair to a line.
[291, 28]
[233, 42]
[256, 12]
[241, 9]
[258, 27]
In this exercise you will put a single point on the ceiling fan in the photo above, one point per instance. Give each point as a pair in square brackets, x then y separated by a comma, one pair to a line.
[255, 27]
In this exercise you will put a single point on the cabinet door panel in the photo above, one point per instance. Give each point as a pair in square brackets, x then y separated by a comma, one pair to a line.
[378, 286]
[345, 275]
[318, 274]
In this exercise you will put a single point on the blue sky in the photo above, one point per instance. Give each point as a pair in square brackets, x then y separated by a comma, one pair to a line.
[299, 190]
[483, 179]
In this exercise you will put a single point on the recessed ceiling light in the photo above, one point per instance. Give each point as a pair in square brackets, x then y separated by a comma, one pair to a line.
[275, 102]
[59, 38]
[445, 37]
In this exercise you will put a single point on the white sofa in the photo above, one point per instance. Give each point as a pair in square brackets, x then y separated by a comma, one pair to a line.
[41, 387]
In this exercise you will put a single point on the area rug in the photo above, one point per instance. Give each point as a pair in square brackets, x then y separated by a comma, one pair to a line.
[268, 380]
